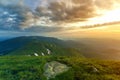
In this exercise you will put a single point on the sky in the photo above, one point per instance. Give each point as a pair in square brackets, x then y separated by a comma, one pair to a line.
[60, 18]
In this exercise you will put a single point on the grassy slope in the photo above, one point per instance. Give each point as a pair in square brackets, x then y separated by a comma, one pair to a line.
[31, 68]
[41, 47]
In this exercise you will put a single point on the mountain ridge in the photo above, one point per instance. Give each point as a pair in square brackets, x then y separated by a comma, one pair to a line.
[36, 46]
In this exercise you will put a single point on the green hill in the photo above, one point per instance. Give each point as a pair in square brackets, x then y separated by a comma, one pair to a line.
[32, 68]
[24, 58]
[37, 46]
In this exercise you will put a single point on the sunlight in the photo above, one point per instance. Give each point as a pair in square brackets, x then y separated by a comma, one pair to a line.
[106, 17]
[110, 16]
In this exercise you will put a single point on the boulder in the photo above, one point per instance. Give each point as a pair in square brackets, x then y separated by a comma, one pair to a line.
[54, 68]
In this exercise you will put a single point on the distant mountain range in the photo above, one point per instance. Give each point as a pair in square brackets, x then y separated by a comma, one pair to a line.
[41, 46]
[102, 48]
[3, 38]
[36, 46]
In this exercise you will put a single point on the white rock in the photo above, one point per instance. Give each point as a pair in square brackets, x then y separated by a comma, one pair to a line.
[36, 54]
[53, 69]
[48, 51]
[43, 54]
[95, 69]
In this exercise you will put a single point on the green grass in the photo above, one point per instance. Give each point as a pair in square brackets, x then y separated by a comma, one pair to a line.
[41, 47]
[31, 68]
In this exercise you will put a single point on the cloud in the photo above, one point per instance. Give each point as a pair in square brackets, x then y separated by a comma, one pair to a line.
[44, 29]
[7, 2]
[22, 19]
[68, 10]
[11, 17]
[49, 15]
[74, 10]
[62, 12]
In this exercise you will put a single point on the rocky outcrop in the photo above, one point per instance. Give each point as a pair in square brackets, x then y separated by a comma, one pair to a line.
[54, 68]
